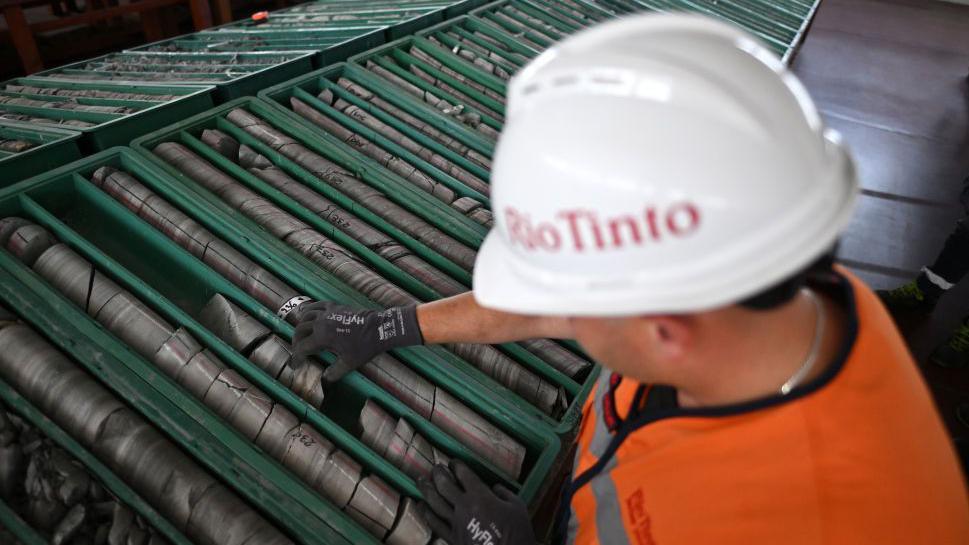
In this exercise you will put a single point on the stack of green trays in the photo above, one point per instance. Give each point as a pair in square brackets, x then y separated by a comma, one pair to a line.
[146, 263]
[779, 23]
[103, 122]
[51, 147]
[234, 74]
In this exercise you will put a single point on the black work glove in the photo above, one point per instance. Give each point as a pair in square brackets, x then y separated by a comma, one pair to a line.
[355, 335]
[462, 510]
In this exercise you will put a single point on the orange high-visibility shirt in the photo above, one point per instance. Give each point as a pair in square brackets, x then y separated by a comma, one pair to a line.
[857, 456]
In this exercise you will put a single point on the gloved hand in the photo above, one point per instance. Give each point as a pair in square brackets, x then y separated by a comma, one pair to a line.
[355, 335]
[462, 510]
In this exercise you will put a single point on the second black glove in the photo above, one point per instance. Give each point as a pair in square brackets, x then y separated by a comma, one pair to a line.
[462, 510]
[355, 335]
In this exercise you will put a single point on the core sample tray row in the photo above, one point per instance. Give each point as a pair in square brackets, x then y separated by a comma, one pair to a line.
[234, 74]
[26, 149]
[79, 466]
[103, 113]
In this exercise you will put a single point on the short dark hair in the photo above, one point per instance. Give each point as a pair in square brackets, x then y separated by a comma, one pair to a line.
[786, 289]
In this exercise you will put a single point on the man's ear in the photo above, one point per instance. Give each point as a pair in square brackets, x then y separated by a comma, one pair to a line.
[669, 337]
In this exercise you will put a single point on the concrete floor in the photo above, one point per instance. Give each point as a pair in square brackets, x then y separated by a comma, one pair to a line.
[890, 75]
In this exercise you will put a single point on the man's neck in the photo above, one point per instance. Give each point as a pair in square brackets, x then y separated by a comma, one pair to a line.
[763, 350]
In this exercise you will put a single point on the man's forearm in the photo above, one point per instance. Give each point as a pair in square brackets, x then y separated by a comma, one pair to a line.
[460, 319]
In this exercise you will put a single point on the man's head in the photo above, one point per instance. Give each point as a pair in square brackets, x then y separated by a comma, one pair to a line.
[659, 179]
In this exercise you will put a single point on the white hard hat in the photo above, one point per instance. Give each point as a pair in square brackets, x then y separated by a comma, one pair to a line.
[658, 163]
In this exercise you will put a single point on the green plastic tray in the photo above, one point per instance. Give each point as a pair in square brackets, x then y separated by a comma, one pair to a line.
[177, 285]
[337, 17]
[107, 478]
[396, 58]
[456, 9]
[515, 31]
[54, 148]
[307, 87]
[113, 129]
[368, 6]
[313, 83]
[411, 25]
[334, 40]
[396, 55]
[330, 45]
[619, 7]
[304, 514]
[525, 19]
[389, 23]
[485, 38]
[779, 23]
[431, 209]
[254, 70]
[566, 14]
[363, 10]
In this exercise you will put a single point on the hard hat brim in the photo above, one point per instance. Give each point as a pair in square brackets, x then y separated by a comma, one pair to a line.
[493, 281]
[501, 283]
